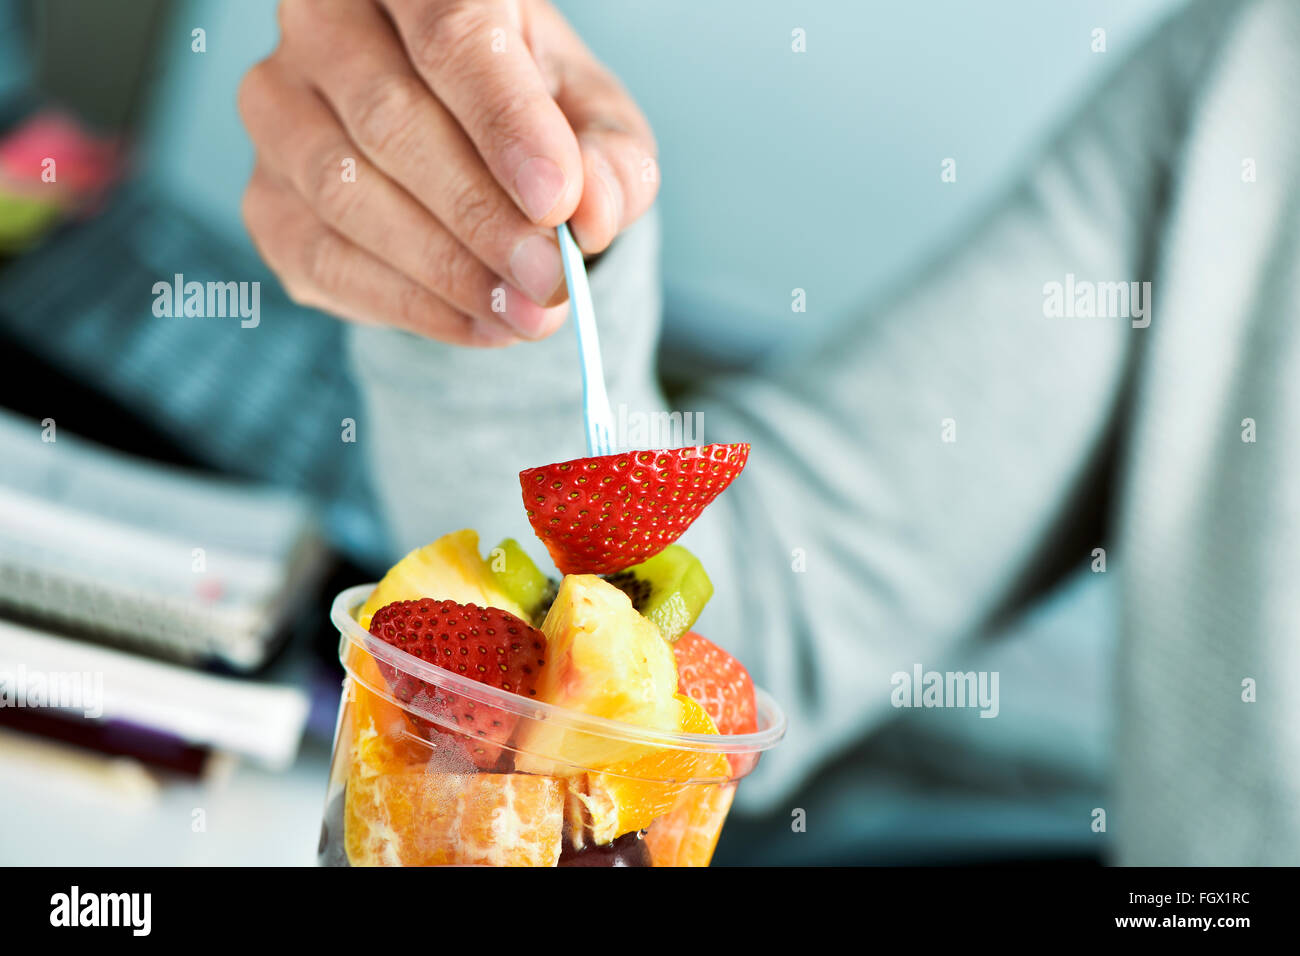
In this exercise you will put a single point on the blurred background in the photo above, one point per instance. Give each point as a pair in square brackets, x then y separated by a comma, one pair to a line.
[212, 748]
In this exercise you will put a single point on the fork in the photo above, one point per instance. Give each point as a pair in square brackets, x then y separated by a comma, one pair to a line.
[596, 413]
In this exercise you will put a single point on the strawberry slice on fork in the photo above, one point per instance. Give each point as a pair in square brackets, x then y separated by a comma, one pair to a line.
[601, 515]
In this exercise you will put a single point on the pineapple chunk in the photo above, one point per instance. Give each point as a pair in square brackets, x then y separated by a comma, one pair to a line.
[602, 658]
[449, 569]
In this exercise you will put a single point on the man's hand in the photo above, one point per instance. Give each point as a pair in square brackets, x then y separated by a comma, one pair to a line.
[414, 157]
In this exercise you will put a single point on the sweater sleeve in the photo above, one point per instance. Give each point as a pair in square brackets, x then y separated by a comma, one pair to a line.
[447, 430]
[911, 476]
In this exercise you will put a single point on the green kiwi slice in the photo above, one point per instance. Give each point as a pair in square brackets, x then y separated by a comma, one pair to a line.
[670, 589]
[522, 580]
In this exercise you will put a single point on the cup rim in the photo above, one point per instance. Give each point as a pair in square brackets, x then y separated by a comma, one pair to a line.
[771, 718]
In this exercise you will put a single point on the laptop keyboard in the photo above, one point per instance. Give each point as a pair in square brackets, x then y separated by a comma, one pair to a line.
[265, 403]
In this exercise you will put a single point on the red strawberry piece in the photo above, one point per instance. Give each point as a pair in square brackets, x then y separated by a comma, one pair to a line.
[485, 644]
[601, 515]
[717, 682]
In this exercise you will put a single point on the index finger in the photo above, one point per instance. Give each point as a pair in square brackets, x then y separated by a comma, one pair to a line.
[472, 54]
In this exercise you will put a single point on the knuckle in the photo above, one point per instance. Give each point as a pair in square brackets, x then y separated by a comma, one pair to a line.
[248, 204]
[272, 235]
[447, 32]
[260, 224]
[385, 110]
[298, 293]
[472, 215]
[505, 120]
[254, 89]
[289, 14]
[330, 193]
[453, 273]
[464, 275]
[270, 247]
[307, 33]
[440, 275]
[321, 260]
[415, 307]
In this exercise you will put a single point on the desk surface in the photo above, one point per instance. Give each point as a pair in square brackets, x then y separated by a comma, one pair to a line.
[65, 811]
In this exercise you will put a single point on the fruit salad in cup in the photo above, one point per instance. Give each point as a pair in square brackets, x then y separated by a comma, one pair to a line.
[495, 714]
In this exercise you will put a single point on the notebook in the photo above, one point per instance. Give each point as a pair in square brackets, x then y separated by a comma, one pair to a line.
[180, 565]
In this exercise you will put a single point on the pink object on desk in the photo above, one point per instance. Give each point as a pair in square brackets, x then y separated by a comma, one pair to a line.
[84, 164]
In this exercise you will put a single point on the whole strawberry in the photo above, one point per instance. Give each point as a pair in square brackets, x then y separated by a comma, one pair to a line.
[717, 682]
[601, 515]
[485, 644]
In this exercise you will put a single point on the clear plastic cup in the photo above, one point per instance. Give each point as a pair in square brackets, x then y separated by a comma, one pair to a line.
[408, 788]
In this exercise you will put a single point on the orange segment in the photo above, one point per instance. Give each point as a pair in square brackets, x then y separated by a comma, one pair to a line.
[398, 812]
[689, 834]
[369, 710]
[630, 796]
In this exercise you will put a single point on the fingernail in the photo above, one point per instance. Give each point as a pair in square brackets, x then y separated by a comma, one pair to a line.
[523, 315]
[591, 243]
[552, 319]
[491, 335]
[539, 183]
[530, 320]
[537, 268]
[615, 194]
